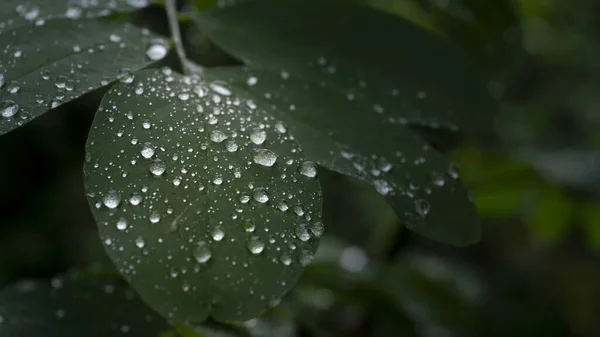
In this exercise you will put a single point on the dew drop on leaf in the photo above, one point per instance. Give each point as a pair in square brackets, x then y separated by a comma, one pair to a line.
[308, 169]
[260, 195]
[202, 252]
[8, 108]
[255, 245]
[264, 157]
[158, 167]
[112, 199]
[258, 136]
[422, 207]
[156, 50]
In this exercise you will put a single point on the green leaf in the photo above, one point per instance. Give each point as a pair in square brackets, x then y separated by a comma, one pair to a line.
[73, 306]
[205, 202]
[418, 182]
[347, 93]
[398, 72]
[52, 54]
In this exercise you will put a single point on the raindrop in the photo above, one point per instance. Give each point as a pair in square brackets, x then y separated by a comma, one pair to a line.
[8, 108]
[244, 198]
[264, 157]
[252, 80]
[218, 234]
[248, 225]
[283, 206]
[438, 179]
[452, 170]
[422, 207]
[154, 217]
[382, 186]
[281, 127]
[255, 245]
[258, 136]
[217, 136]
[220, 87]
[286, 259]
[232, 146]
[202, 252]
[61, 82]
[13, 87]
[305, 257]
[156, 50]
[122, 224]
[317, 229]
[135, 199]
[112, 199]
[308, 169]
[125, 75]
[139, 242]
[1, 80]
[158, 167]
[302, 233]
[147, 150]
[260, 195]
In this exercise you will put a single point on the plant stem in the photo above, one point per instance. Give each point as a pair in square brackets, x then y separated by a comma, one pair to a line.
[171, 8]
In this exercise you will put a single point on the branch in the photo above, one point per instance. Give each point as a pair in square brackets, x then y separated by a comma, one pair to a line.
[171, 8]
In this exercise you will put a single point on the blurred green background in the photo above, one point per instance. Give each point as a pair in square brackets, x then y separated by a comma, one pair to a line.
[535, 180]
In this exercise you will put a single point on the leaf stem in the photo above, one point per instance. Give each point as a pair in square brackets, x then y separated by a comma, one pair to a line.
[170, 6]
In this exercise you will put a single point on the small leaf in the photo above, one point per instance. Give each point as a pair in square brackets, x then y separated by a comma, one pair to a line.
[74, 306]
[419, 183]
[53, 54]
[402, 73]
[201, 198]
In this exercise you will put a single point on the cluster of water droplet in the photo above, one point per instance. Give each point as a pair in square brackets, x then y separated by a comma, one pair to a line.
[199, 182]
[76, 67]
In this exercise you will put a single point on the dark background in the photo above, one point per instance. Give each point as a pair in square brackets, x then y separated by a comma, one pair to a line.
[535, 180]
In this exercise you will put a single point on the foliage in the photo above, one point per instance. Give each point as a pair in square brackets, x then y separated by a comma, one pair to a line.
[206, 183]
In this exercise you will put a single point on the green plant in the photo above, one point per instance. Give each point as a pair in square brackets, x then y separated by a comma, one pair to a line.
[204, 183]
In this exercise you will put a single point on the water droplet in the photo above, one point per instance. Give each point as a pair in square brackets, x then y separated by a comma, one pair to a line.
[218, 234]
[302, 233]
[135, 199]
[114, 38]
[147, 150]
[122, 224]
[217, 136]
[244, 198]
[422, 207]
[13, 87]
[2, 80]
[258, 136]
[286, 259]
[202, 252]
[260, 194]
[139, 242]
[281, 127]
[252, 81]
[255, 245]
[452, 171]
[264, 157]
[438, 179]
[382, 186]
[305, 257]
[112, 199]
[317, 229]
[61, 82]
[125, 75]
[308, 169]
[184, 96]
[158, 167]
[232, 146]
[283, 206]
[156, 50]
[154, 217]
[8, 108]
[220, 87]
[200, 91]
[248, 225]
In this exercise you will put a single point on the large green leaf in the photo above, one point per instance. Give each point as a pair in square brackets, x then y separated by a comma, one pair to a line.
[399, 72]
[53, 53]
[204, 201]
[331, 72]
[418, 182]
[73, 307]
